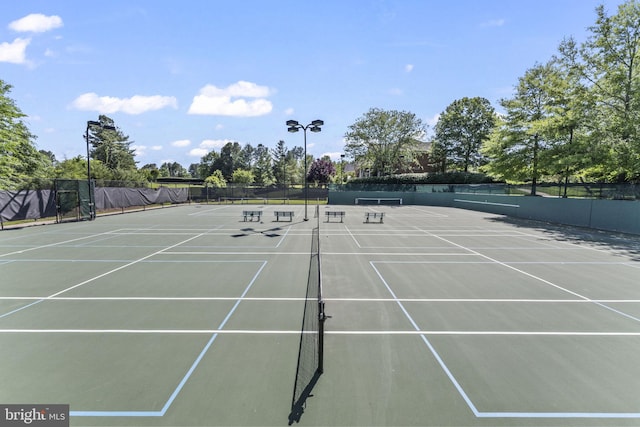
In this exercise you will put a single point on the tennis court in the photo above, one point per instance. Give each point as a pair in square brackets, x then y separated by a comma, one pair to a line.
[192, 315]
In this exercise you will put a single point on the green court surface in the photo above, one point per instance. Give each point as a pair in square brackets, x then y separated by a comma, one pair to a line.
[191, 316]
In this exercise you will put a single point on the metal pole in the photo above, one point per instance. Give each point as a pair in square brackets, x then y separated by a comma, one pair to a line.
[304, 175]
[91, 210]
[284, 180]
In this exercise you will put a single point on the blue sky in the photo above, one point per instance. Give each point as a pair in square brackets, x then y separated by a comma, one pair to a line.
[181, 78]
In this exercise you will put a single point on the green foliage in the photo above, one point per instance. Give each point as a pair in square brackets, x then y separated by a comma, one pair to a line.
[216, 180]
[20, 161]
[150, 172]
[261, 166]
[380, 139]
[230, 159]
[112, 148]
[461, 129]
[172, 169]
[75, 168]
[518, 149]
[607, 63]
[241, 176]
[426, 178]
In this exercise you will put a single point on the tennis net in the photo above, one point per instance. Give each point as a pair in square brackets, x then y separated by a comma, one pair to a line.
[310, 353]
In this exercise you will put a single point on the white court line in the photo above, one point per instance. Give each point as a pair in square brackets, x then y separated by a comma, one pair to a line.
[283, 237]
[485, 300]
[496, 333]
[429, 212]
[297, 332]
[151, 331]
[404, 254]
[54, 244]
[157, 298]
[207, 211]
[431, 348]
[533, 276]
[438, 300]
[352, 236]
[97, 277]
[233, 253]
[458, 386]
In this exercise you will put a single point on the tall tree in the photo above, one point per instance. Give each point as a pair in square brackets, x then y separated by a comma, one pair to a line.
[518, 143]
[231, 158]
[262, 168]
[321, 171]
[610, 61]
[288, 164]
[112, 148]
[216, 180]
[207, 164]
[151, 171]
[571, 117]
[279, 157]
[380, 138]
[461, 129]
[20, 160]
[172, 169]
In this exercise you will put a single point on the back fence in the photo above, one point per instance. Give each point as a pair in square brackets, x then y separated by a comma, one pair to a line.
[73, 200]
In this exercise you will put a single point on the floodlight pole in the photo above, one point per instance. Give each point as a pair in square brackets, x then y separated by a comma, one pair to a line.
[92, 208]
[314, 126]
[284, 180]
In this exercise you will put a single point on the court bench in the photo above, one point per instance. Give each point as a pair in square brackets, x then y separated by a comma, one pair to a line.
[251, 214]
[279, 214]
[374, 216]
[335, 214]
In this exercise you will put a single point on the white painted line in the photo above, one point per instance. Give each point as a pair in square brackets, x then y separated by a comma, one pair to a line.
[54, 244]
[289, 332]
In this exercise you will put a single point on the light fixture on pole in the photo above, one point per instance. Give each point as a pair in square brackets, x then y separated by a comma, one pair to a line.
[92, 208]
[314, 126]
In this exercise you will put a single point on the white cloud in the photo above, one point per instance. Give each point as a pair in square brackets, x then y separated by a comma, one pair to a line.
[333, 156]
[408, 68]
[219, 126]
[493, 23]
[139, 149]
[230, 101]
[36, 23]
[156, 147]
[206, 146]
[289, 111]
[198, 152]
[433, 120]
[181, 143]
[14, 52]
[395, 91]
[214, 143]
[137, 104]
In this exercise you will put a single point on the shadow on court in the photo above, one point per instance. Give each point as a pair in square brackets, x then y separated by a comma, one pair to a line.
[249, 231]
[297, 408]
[270, 232]
[625, 244]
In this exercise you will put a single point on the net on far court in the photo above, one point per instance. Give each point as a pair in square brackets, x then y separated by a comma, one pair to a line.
[310, 353]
